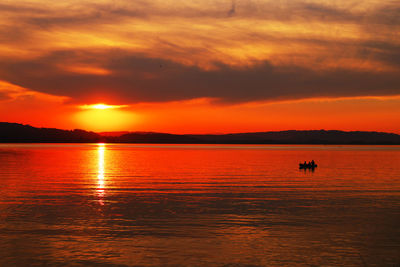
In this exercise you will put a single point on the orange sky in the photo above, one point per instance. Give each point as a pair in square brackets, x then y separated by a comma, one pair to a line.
[209, 66]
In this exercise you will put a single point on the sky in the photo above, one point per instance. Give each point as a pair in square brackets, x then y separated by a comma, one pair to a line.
[210, 66]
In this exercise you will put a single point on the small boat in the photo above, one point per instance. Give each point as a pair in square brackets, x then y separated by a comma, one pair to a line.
[307, 166]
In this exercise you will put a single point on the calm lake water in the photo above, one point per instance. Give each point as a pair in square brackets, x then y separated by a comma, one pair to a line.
[198, 205]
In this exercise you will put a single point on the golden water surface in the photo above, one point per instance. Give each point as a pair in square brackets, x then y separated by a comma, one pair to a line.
[198, 205]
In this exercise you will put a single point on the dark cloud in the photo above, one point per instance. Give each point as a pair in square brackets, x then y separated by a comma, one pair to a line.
[16, 8]
[232, 11]
[388, 14]
[74, 19]
[388, 53]
[321, 12]
[136, 78]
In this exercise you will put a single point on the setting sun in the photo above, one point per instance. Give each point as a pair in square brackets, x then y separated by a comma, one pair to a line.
[103, 117]
[102, 106]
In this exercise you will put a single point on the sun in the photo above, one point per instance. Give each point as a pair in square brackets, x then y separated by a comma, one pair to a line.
[102, 106]
[103, 117]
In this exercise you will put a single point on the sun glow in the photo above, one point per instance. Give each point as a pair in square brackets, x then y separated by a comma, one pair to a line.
[102, 117]
[102, 106]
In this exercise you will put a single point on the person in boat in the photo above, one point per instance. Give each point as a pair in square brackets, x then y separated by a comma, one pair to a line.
[312, 163]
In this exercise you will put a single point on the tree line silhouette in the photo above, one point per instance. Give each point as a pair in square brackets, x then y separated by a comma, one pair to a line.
[19, 133]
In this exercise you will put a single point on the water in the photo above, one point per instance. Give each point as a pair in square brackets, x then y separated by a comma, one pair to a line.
[198, 205]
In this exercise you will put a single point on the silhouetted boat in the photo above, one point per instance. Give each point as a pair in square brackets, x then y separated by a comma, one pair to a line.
[307, 166]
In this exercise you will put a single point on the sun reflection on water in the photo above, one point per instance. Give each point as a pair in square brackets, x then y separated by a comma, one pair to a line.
[100, 174]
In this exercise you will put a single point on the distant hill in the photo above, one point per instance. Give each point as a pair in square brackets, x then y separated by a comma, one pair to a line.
[151, 137]
[115, 134]
[305, 137]
[18, 133]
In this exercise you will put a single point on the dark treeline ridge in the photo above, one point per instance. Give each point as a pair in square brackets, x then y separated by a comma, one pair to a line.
[18, 133]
